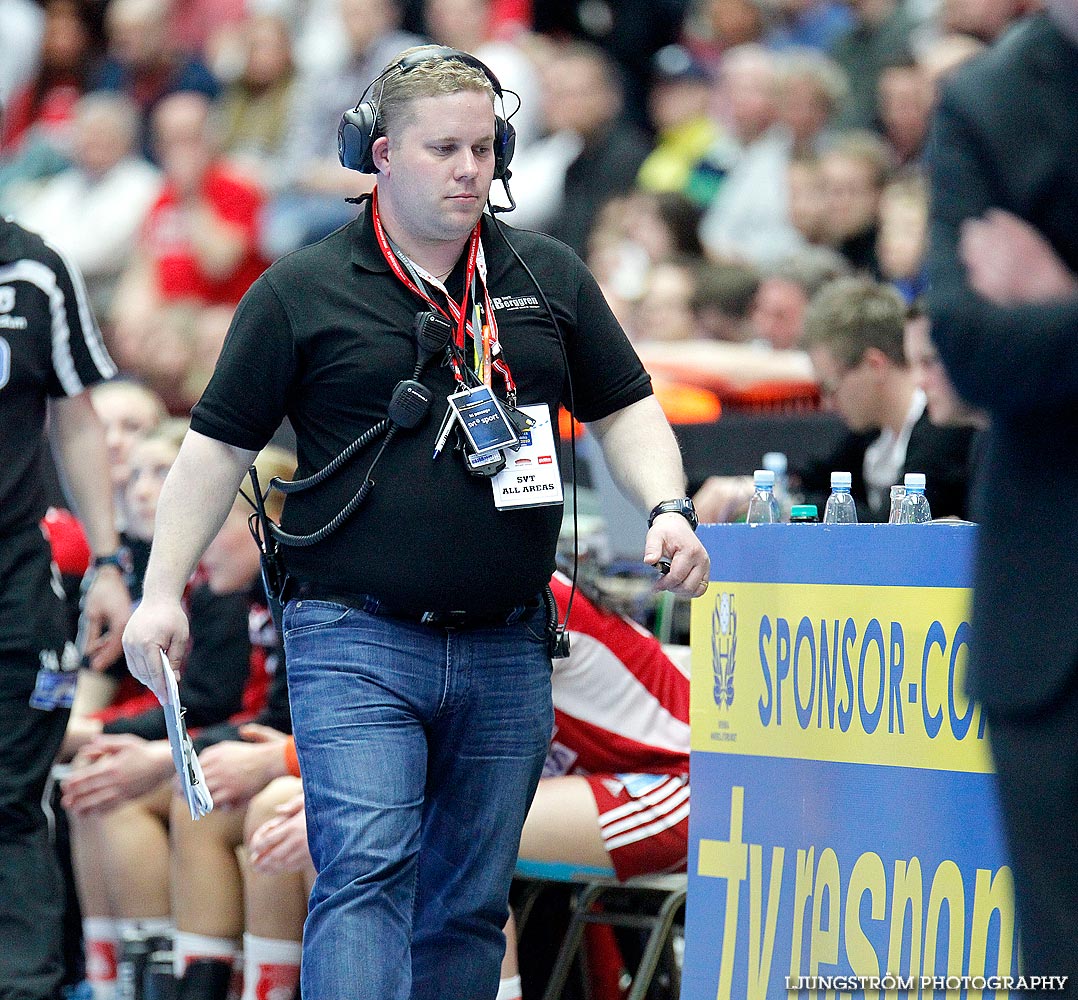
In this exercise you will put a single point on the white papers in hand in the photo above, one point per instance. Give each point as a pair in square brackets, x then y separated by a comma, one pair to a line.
[198, 797]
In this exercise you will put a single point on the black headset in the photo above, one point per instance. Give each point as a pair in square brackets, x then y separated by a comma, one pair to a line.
[361, 125]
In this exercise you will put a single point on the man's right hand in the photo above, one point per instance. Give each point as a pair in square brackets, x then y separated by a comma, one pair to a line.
[156, 625]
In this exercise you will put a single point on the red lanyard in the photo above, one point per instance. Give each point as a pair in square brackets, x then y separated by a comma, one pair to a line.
[458, 314]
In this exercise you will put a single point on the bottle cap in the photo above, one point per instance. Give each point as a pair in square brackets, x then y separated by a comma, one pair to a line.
[776, 462]
[915, 480]
[804, 512]
[763, 479]
[841, 480]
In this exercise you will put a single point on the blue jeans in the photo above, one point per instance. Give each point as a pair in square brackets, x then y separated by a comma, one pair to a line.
[420, 751]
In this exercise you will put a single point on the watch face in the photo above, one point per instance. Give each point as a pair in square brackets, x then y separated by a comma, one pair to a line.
[684, 507]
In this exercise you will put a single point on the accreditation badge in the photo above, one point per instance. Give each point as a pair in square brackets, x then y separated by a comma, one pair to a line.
[531, 477]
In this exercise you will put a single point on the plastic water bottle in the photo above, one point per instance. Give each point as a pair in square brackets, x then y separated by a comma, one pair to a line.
[897, 493]
[763, 507]
[776, 462]
[914, 508]
[840, 508]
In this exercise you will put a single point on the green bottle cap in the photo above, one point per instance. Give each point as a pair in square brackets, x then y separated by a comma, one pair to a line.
[804, 512]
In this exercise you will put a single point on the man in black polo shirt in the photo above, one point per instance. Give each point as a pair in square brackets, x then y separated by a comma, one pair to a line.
[50, 353]
[418, 660]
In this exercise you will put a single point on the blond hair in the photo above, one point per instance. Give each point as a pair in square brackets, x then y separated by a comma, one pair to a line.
[850, 315]
[433, 77]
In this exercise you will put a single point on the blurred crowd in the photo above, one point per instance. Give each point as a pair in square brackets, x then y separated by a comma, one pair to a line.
[716, 162]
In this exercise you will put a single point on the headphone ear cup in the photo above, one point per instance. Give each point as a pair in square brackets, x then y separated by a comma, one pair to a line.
[355, 137]
[505, 144]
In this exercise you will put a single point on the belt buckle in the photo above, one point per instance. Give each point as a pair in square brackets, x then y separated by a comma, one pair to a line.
[444, 619]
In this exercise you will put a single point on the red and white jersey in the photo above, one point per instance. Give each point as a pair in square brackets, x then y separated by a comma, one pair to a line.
[621, 705]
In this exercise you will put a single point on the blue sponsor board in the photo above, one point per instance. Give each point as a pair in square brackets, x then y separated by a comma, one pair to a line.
[844, 823]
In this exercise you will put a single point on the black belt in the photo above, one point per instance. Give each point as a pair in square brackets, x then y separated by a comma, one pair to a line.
[432, 619]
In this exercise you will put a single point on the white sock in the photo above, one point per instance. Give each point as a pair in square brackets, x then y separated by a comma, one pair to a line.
[270, 968]
[187, 947]
[101, 940]
[145, 927]
[508, 989]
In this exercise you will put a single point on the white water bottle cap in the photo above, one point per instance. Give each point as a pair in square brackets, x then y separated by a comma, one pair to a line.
[763, 479]
[776, 462]
[841, 480]
[915, 481]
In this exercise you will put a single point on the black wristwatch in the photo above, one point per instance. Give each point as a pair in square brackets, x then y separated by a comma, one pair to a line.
[121, 559]
[682, 506]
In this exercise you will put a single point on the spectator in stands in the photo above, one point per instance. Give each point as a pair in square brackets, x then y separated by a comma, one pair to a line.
[94, 209]
[35, 126]
[815, 24]
[880, 37]
[722, 301]
[854, 335]
[143, 62]
[749, 218]
[253, 110]
[118, 793]
[811, 89]
[906, 96]
[312, 184]
[721, 25]
[43, 108]
[689, 157]
[853, 171]
[663, 225]
[808, 207]
[592, 154]
[199, 245]
[664, 312]
[903, 234]
[629, 32]
[778, 309]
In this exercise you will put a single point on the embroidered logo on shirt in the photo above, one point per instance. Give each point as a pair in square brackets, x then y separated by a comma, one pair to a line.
[514, 302]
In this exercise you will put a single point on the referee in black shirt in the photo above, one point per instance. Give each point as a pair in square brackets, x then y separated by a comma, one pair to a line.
[50, 354]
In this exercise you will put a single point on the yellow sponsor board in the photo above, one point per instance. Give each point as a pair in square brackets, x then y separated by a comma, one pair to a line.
[857, 674]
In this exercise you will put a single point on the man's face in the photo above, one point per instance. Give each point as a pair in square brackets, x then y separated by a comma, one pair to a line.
[851, 392]
[850, 195]
[577, 96]
[438, 166]
[182, 141]
[778, 314]
[945, 407]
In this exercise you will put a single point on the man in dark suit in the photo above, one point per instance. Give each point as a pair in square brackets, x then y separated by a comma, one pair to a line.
[854, 336]
[1004, 305]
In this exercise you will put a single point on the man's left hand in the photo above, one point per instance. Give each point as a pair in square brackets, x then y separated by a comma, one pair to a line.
[671, 537]
[106, 608]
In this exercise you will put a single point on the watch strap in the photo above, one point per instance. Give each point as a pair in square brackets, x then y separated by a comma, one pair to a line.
[682, 505]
